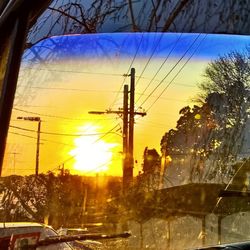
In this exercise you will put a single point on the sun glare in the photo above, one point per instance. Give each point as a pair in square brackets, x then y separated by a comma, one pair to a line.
[92, 154]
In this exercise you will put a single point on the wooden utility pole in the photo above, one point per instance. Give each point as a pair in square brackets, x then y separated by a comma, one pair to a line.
[128, 174]
[36, 119]
[125, 133]
[38, 146]
[14, 161]
[128, 114]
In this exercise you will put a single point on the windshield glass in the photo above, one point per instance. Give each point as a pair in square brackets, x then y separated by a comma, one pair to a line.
[133, 131]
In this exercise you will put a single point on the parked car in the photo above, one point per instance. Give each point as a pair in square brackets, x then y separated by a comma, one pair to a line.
[28, 229]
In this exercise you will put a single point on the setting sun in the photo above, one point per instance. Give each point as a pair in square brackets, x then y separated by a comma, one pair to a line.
[92, 154]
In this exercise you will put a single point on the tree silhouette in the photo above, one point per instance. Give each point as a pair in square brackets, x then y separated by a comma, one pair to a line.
[150, 178]
[151, 160]
[35, 198]
[227, 91]
[208, 138]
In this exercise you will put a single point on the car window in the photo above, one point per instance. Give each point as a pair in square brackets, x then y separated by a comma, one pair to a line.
[131, 116]
[146, 132]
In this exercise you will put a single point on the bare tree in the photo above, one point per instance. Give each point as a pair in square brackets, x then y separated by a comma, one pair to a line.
[79, 16]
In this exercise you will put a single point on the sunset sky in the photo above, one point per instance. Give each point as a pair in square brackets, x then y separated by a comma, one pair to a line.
[62, 78]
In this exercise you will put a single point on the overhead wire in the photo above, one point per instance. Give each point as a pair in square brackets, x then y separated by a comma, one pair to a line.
[73, 156]
[28, 136]
[93, 170]
[68, 119]
[178, 72]
[98, 167]
[119, 91]
[72, 71]
[32, 137]
[59, 134]
[159, 69]
[125, 76]
[61, 117]
[149, 59]
[108, 132]
[159, 96]
[128, 71]
[166, 99]
[78, 135]
[47, 115]
[171, 70]
[69, 89]
[75, 71]
[52, 116]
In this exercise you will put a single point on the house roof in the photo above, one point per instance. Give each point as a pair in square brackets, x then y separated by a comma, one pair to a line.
[195, 199]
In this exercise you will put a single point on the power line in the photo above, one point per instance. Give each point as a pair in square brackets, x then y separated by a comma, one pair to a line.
[97, 121]
[35, 106]
[108, 132]
[72, 157]
[28, 136]
[146, 65]
[177, 73]
[185, 85]
[160, 67]
[167, 99]
[32, 137]
[73, 71]
[90, 171]
[98, 167]
[25, 129]
[61, 134]
[70, 89]
[48, 115]
[58, 117]
[170, 71]
[154, 123]
[125, 76]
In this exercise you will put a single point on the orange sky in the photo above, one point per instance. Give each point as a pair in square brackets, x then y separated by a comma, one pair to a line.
[62, 92]
[75, 106]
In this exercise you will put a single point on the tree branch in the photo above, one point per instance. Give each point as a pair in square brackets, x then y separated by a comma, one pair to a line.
[153, 14]
[72, 17]
[174, 14]
[134, 26]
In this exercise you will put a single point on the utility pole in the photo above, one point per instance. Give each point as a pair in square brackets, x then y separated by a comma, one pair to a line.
[36, 119]
[129, 174]
[125, 134]
[127, 114]
[14, 161]
[38, 146]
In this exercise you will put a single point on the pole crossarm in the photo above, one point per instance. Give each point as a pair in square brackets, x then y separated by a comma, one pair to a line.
[118, 112]
[29, 118]
[140, 113]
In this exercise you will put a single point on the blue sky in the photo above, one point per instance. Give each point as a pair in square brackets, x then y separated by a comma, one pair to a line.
[126, 45]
